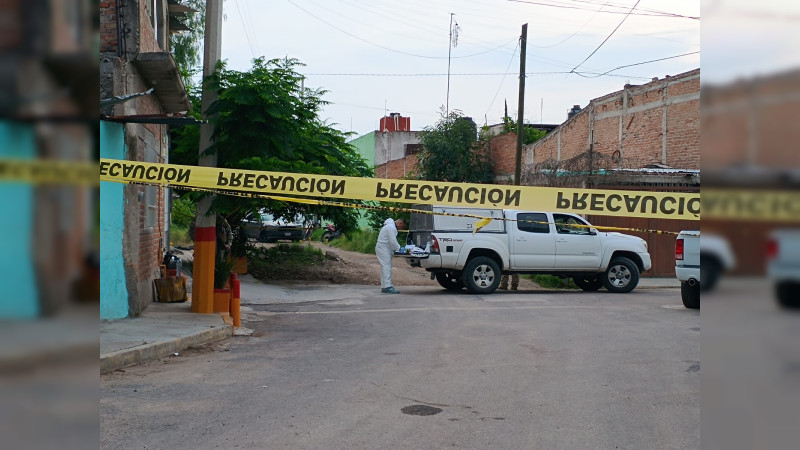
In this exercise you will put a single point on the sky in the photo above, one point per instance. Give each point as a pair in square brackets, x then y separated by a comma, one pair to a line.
[378, 57]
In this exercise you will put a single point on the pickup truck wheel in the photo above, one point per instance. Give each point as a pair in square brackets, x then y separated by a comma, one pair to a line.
[622, 275]
[788, 294]
[709, 273]
[262, 237]
[588, 283]
[690, 295]
[450, 281]
[481, 275]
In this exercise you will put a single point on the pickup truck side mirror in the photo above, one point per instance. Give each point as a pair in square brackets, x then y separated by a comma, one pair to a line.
[593, 231]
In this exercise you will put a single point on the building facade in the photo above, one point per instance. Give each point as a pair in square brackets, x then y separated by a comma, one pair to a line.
[138, 71]
[391, 149]
[48, 77]
[655, 124]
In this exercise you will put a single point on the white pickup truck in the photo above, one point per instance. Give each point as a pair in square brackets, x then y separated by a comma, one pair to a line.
[526, 242]
[783, 266]
[699, 261]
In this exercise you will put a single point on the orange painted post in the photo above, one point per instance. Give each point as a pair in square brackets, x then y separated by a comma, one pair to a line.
[222, 300]
[236, 301]
[205, 243]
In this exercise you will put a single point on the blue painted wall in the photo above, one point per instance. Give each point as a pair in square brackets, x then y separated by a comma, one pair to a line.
[19, 297]
[113, 290]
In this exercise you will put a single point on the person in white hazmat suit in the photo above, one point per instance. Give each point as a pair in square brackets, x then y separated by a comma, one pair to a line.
[385, 247]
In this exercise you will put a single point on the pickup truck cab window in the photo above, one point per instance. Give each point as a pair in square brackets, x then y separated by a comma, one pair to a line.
[533, 222]
[566, 224]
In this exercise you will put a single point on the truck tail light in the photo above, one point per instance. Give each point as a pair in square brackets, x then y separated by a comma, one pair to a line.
[772, 249]
[679, 249]
[434, 244]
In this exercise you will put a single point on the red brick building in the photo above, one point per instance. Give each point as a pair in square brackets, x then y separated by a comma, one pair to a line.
[750, 143]
[652, 125]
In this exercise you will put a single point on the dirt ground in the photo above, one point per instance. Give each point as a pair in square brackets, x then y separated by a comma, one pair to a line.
[345, 267]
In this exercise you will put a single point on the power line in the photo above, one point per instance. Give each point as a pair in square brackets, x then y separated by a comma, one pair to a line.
[244, 27]
[388, 48]
[565, 6]
[364, 9]
[607, 37]
[249, 15]
[571, 35]
[484, 74]
[503, 80]
[639, 64]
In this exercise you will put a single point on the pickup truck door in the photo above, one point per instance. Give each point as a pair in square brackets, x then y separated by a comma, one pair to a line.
[532, 241]
[577, 247]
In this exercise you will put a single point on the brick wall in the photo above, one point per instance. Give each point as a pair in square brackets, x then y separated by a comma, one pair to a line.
[655, 123]
[398, 168]
[745, 123]
[147, 39]
[108, 26]
[503, 150]
[147, 240]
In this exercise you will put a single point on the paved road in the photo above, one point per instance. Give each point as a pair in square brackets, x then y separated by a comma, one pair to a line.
[541, 369]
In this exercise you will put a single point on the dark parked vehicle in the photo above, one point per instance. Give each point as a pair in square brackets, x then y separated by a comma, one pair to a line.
[265, 228]
[330, 233]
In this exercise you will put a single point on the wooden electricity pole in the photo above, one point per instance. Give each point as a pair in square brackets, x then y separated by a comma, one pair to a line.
[521, 103]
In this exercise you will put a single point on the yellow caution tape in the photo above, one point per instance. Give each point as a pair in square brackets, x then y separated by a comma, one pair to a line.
[49, 171]
[751, 205]
[668, 205]
[482, 221]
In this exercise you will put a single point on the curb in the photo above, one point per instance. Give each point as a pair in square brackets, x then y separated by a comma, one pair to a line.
[156, 350]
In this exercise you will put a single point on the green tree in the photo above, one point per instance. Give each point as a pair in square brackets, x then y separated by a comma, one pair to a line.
[186, 46]
[451, 151]
[531, 134]
[266, 121]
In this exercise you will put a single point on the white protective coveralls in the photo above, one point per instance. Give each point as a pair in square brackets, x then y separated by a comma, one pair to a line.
[384, 249]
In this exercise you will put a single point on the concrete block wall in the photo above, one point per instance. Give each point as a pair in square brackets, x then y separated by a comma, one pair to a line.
[390, 146]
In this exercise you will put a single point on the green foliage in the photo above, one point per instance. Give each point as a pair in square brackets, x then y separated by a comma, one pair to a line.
[451, 152]
[531, 134]
[362, 241]
[186, 46]
[222, 270]
[179, 236]
[267, 121]
[376, 217]
[287, 255]
[552, 282]
[240, 246]
[183, 210]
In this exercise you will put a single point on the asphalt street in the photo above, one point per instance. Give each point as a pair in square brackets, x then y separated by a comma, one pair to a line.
[426, 369]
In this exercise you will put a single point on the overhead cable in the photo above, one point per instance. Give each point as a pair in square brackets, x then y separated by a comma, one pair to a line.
[607, 37]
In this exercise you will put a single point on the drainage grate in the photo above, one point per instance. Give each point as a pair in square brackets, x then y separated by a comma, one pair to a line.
[421, 410]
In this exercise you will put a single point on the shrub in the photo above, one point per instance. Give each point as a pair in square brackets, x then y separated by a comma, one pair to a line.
[552, 282]
[362, 241]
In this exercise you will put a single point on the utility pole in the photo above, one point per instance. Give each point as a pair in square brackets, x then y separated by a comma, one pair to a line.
[452, 43]
[205, 234]
[521, 103]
